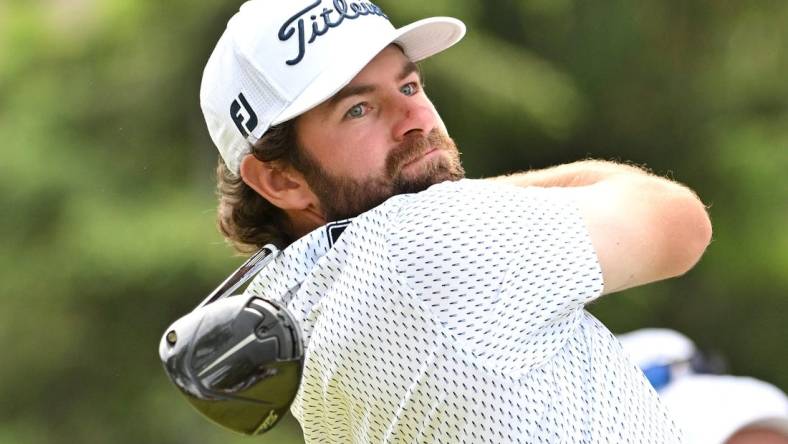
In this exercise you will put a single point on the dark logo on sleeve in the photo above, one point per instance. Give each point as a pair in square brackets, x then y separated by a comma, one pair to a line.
[245, 121]
[322, 22]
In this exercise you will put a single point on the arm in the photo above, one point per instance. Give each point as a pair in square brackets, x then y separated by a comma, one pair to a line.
[644, 228]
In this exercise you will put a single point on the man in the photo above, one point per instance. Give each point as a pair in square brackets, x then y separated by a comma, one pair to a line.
[448, 310]
[712, 408]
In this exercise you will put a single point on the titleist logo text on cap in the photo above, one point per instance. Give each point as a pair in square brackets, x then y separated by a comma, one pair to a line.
[342, 10]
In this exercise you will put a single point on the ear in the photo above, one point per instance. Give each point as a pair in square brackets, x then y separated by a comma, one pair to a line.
[281, 185]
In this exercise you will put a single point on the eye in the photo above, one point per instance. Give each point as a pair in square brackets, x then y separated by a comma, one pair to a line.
[409, 89]
[356, 111]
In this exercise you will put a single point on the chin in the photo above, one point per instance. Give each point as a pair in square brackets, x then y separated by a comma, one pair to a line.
[434, 174]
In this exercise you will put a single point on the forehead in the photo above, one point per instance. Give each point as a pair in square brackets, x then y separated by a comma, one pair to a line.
[388, 61]
[390, 64]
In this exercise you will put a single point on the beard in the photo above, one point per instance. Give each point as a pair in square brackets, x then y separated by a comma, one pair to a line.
[344, 197]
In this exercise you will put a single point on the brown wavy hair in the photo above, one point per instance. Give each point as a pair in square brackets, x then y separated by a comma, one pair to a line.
[246, 219]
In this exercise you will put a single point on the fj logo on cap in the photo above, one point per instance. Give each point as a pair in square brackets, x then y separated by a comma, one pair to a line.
[342, 10]
[239, 118]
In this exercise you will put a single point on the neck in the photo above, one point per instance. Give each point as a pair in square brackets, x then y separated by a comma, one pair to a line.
[304, 221]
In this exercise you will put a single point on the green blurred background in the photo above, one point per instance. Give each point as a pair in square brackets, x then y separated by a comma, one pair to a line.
[107, 201]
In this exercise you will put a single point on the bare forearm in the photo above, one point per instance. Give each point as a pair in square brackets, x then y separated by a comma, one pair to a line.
[576, 174]
[644, 227]
[589, 172]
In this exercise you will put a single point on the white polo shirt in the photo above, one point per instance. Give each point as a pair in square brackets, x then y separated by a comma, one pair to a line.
[455, 315]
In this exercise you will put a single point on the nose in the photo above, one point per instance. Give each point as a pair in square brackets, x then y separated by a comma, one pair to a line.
[412, 115]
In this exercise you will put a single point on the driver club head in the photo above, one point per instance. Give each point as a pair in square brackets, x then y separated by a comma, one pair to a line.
[237, 359]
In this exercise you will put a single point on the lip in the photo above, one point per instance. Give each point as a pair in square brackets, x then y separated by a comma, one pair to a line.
[424, 155]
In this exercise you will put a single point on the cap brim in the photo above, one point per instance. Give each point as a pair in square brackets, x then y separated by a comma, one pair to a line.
[418, 40]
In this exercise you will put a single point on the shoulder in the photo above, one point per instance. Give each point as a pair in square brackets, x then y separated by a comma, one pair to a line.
[461, 198]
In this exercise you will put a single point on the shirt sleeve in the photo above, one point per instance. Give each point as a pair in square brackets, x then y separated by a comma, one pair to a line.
[505, 270]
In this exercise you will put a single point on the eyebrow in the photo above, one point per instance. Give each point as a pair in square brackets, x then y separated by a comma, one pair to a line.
[408, 69]
[350, 90]
[353, 90]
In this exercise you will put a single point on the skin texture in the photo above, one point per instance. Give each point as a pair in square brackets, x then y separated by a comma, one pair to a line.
[757, 436]
[381, 136]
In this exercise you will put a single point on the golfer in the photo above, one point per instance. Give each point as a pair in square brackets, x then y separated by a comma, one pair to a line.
[433, 308]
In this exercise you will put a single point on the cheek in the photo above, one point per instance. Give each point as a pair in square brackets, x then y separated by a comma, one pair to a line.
[357, 153]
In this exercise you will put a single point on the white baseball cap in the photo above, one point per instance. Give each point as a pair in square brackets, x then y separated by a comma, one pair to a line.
[279, 59]
[656, 346]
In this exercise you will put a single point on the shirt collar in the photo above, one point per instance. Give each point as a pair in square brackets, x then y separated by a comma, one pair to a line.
[280, 279]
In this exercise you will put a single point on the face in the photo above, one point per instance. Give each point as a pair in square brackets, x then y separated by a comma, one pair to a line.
[378, 137]
[757, 435]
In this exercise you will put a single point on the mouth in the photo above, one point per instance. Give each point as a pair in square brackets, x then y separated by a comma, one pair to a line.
[421, 156]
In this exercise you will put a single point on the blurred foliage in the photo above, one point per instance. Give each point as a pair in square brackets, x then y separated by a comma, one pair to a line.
[106, 184]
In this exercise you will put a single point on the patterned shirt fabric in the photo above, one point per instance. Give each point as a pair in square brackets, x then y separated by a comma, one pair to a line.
[456, 315]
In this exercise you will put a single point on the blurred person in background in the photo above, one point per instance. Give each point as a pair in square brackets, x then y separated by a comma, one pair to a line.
[712, 408]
